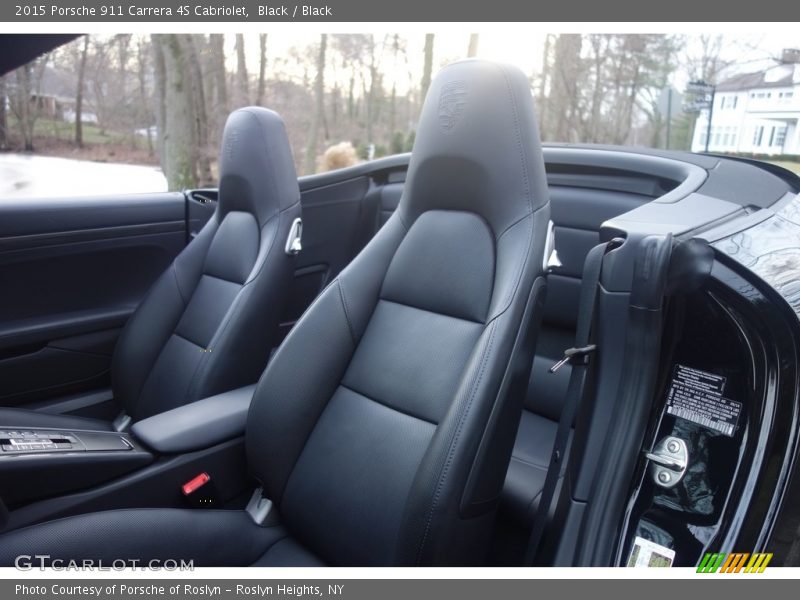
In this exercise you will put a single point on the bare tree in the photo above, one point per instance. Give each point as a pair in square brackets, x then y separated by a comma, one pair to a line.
[472, 49]
[176, 128]
[79, 93]
[123, 41]
[262, 68]
[26, 101]
[160, 72]
[544, 82]
[564, 93]
[393, 103]
[99, 67]
[242, 80]
[218, 83]
[142, 53]
[427, 66]
[319, 106]
[704, 59]
[374, 91]
[3, 114]
[198, 107]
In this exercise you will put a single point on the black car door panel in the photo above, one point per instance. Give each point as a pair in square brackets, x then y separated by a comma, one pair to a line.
[334, 217]
[72, 270]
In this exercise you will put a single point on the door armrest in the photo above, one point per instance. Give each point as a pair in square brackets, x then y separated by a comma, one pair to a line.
[198, 425]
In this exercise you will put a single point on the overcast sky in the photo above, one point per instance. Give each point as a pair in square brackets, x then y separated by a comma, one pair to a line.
[751, 51]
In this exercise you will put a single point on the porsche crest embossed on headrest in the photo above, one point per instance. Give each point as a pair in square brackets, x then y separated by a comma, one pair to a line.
[231, 142]
[452, 102]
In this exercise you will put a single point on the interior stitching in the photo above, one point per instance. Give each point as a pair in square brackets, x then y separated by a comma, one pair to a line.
[454, 441]
[387, 405]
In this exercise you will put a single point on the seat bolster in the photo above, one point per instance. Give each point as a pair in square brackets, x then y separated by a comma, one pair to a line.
[288, 553]
[528, 469]
[208, 537]
[32, 419]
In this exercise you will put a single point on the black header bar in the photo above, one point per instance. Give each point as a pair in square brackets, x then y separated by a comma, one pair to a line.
[247, 11]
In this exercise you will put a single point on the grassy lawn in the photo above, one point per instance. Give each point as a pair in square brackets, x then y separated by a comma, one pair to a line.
[792, 166]
[92, 134]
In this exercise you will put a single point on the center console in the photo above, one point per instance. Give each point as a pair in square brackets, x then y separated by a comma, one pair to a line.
[50, 472]
[16, 442]
[41, 463]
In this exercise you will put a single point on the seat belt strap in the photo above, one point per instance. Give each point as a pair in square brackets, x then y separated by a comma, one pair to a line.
[578, 357]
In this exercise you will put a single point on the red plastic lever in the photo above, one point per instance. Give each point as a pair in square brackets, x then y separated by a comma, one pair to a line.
[195, 483]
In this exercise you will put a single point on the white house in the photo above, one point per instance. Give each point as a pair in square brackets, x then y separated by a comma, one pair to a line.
[755, 112]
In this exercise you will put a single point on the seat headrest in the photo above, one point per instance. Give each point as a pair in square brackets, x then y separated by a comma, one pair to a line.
[256, 168]
[477, 147]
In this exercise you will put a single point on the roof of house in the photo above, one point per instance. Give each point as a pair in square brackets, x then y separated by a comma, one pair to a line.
[747, 81]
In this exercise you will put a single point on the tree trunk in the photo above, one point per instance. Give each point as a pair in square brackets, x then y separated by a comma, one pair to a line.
[319, 98]
[144, 113]
[160, 71]
[121, 94]
[262, 69]
[176, 130]
[198, 111]
[219, 99]
[374, 80]
[3, 115]
[393, 102]
[427, 67]
[243, 85]
[564, 93]
[25, 112]
[472, 50]
[79, 93]
[543, 81]
[351, 95]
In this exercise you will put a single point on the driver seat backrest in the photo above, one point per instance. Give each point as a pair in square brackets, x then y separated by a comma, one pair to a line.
[374, 429]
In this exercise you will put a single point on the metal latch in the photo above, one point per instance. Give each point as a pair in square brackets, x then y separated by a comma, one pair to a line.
[668, 461]
[259, 507]
[571, 355]
[550, 255]
[294, 240]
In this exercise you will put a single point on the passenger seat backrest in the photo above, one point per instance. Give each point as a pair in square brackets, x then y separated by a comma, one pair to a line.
[578, 214]
[366, 426]
[208, 323]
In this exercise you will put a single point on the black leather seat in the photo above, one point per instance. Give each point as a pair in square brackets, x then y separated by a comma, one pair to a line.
[380, 429]
[208, 323]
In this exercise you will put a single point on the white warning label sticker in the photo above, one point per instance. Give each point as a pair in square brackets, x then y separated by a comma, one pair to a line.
[697, 396]
[649, 554]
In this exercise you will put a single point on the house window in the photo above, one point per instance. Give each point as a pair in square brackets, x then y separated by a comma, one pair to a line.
[780, 136]
[728, 102]
[771, 136]
[758, 134]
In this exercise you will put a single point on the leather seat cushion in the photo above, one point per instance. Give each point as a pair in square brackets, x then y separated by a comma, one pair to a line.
[224, 538]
